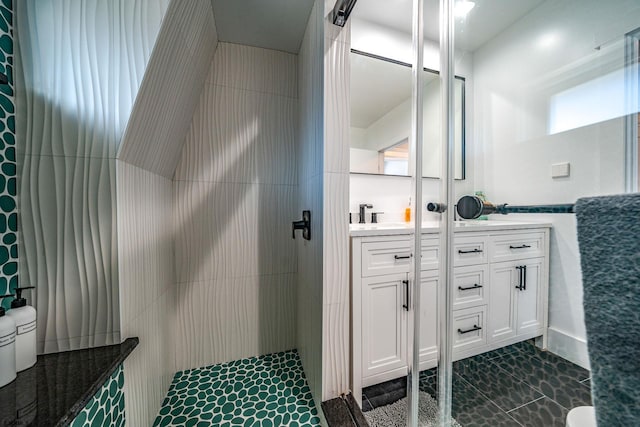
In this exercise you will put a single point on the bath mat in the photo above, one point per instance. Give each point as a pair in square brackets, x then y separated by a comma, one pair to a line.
[395, 415]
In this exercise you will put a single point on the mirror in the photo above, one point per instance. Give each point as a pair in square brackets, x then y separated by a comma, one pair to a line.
[381, 118]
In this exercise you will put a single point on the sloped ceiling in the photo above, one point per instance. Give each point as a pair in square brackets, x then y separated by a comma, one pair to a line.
[171, 88]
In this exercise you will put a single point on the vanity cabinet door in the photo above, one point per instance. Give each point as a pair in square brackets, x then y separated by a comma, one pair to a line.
[428, 320]
[502, 293]
[529, 299]
[384, 320]
[516, 303]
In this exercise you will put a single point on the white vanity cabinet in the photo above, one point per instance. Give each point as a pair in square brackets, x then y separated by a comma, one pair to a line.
[380, 277]
[500, 292]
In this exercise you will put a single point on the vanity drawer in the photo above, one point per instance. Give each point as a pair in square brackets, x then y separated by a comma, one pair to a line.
[469, 250]
[386, 257]
[469, 328]
[470, 286]
[514, 246]
[430, 253]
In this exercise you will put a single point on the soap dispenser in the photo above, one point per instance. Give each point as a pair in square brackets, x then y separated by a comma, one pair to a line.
[25, 318]
[7, 347]
[407, 212]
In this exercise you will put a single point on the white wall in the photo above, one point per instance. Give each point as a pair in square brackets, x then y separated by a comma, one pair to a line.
[309, 197]
[390, 194]
[235, 197]
[516, 75]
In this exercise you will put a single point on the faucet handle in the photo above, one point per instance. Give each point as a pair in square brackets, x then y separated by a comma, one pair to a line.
[374, 217]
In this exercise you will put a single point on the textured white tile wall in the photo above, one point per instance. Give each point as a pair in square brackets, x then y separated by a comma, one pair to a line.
[336, 301]
[310, 153]
[256, 140]
[171, 88]
[147, 288]
[151, 148]
[145, 240]
[235, 188]
[150, 367]
[263, 70]
[78, 69]
[235, 317]
[68, 249]
[229, 230]
[79, 66]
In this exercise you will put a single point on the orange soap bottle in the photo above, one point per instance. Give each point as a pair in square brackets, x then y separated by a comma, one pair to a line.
[407, 212]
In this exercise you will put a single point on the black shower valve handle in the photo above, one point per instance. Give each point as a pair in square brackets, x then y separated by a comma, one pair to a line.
[304, 224]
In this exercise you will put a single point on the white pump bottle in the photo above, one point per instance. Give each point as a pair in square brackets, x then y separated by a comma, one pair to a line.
[25, 318]
[7, 347]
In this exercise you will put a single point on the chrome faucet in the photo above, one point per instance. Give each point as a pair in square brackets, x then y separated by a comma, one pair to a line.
[362, 212]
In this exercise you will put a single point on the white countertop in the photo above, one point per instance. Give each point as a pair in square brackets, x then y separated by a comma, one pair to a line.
[396, 228]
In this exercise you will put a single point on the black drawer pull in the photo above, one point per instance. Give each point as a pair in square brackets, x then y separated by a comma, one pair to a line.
[473, 251]
[475, 286]
[475, 328]
[519, 247]
[402, 256]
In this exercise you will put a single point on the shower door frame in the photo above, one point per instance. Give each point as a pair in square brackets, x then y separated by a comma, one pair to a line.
[444, 315]
[632, 120]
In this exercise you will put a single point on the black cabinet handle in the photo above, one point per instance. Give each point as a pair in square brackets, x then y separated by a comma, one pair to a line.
[473, 251]
[402, 256]
[522, 277]
[475, 286]
[475, 328]
[519, 247]
[406, 295]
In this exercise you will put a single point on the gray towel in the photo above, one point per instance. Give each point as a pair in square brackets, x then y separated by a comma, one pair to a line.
[609, 240]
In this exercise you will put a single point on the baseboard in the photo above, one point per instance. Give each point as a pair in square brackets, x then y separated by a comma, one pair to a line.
[569, 347]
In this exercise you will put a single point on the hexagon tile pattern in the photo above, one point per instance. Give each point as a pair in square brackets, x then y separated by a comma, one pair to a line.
[8, 210]
[259, 391]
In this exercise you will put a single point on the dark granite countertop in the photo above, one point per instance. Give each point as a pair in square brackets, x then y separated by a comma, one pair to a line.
[60, 385]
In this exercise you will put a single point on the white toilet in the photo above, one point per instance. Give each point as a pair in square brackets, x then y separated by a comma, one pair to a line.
[582, 416]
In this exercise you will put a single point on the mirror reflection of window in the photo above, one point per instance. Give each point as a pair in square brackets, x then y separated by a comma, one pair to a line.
[395, 159]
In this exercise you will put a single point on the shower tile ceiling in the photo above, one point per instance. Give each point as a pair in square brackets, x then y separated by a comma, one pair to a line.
[273, 24]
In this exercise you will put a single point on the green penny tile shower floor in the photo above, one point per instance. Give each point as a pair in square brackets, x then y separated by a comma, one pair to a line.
[268, 390]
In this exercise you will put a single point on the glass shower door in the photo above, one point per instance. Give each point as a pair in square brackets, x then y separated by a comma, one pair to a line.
[551, 105]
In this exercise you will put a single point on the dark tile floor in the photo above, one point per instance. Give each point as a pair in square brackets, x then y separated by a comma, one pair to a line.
[518, 385]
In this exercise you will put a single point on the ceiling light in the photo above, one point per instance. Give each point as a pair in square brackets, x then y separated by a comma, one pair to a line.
[547, 40]
[462, 8]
